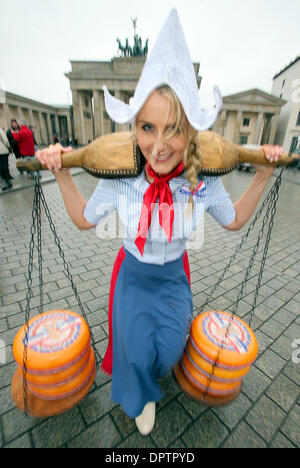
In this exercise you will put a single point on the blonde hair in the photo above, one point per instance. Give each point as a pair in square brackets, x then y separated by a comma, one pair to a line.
[192, 154]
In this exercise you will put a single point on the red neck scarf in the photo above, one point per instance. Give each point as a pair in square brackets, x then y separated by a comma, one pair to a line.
[158, 189]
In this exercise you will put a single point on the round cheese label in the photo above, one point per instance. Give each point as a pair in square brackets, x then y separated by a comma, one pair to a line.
[53, 332]
[225, 332]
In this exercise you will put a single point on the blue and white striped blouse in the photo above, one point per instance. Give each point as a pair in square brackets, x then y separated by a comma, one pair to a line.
[126, 197]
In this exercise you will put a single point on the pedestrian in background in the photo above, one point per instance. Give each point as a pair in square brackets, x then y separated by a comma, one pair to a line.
[14, 126]
[4, 153]
[25, 140]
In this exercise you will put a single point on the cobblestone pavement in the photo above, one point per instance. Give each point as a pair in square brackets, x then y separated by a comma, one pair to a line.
[267, 412]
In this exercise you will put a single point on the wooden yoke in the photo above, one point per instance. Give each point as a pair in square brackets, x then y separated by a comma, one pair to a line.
[116, 155]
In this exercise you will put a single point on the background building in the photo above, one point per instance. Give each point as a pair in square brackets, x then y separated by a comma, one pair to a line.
[249, 117]
[286, 85]
[45, 120]
[120, 75]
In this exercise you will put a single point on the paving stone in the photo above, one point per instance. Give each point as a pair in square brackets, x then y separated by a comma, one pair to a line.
[20, 443]
[206, 432]
[255, 383]
[3, 325]
[270, 363]
[5, 399]
[16, 423]
[6, 374]
[125, 424]
[263, 341]
[293, 331]
[96, 404]
[231, 414]
[193, 407]
[293, 306]
[56, 431]
[265, 418]
[102, 434]
[244, 437]
[177, 444]
[284, 392]
[282, 346]
[272, 328]
[170, 423]
[292, 371]
[136, 440]
[291, 427]
[280, 441]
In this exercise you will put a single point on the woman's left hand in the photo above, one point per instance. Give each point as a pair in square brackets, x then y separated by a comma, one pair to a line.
[273, 153]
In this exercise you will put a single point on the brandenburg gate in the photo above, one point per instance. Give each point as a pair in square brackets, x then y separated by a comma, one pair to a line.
[120, 75]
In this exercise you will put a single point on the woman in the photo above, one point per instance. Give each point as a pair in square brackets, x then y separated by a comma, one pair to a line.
[150, 307]
[4, 154]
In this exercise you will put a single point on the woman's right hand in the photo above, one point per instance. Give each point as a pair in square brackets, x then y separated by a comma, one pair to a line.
[51, 157]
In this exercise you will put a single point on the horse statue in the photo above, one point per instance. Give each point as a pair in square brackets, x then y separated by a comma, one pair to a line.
[121, 48]
[128, 49]
[145, 50]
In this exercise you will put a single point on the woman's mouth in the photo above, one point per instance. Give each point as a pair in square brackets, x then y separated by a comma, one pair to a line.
[163, 157]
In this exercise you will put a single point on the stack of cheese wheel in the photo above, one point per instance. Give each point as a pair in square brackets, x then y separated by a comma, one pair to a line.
[60, 361]
[219, 353]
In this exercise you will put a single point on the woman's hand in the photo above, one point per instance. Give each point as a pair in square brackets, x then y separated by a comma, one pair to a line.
[273, 153]
[51, 157]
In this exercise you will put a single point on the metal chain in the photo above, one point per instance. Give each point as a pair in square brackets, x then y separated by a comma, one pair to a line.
[271, 209]
[66, 269]
[36, 227]
[239, 247]
[29, 296]
[40, 254]
[271, 200]
[266, 248]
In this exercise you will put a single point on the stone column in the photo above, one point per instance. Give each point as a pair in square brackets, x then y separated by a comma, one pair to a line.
[78, 116]
[258, 129]
[273, 129]
[119, 127]
[69, 126]
[59, 136]
[237, 129]
[6, 116]
[98, 112]
[44, 136]
[20, 113]
[223, 123]
[50, 136]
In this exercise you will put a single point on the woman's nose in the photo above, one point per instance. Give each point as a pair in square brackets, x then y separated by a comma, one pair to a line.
[160, 145]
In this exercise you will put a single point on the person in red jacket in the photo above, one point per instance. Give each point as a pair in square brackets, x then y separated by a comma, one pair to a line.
[25, 140]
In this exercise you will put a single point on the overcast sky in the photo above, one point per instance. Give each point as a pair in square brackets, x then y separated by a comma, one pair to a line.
[240, 44]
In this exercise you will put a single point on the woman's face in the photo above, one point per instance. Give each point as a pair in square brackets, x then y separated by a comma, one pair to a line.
[154, 122]
[14, 125]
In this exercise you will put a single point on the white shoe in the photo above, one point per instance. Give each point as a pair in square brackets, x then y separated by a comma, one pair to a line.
[145, 421]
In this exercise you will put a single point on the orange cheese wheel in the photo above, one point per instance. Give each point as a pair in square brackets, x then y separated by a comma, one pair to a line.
[69, 388]
[62, 376]
[222, 375]
[56, 340]
[217, 336]
[201, 382]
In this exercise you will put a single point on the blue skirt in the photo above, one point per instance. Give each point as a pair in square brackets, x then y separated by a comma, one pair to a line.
[151, 315]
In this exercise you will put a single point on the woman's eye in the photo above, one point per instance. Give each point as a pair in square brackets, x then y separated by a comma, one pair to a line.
[147, 128]
[172, 128]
